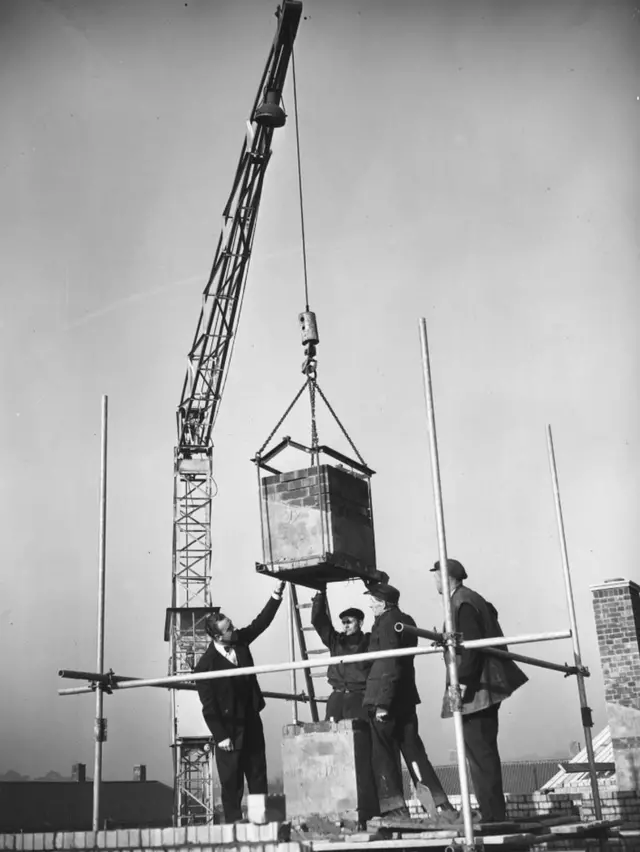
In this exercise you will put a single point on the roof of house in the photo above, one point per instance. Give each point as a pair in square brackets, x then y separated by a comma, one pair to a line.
[518, 776]
[602, 752]
[68, 805]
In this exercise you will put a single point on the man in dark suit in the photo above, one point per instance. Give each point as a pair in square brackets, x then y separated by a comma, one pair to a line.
[347, 680]
[391, 698]
[231, 706]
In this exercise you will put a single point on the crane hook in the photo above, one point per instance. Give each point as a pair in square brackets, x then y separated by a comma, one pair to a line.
[310, 339]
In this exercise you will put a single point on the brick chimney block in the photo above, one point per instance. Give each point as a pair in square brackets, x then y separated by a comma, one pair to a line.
[140, 772]
[79, 772]
[616, 606]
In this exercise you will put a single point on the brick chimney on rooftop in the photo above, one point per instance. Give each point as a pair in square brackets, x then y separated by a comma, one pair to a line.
[140, 772]
[616, 606]
[79, 772]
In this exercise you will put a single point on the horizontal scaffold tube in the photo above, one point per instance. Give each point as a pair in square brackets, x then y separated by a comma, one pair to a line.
[170, 680]
[494, 652]
[111, 679]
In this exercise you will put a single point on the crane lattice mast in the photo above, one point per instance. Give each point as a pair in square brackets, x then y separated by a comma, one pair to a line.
[208, 365]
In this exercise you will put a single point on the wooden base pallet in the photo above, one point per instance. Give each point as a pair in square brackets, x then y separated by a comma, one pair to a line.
[422, 834]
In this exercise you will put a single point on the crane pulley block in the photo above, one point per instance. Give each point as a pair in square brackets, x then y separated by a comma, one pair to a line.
[308, 328]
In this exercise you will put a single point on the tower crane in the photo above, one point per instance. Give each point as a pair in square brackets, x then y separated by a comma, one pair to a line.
[207, 371]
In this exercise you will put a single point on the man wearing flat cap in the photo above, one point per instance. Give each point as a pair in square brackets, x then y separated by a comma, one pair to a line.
[347, 680]
[485, 681]
[390, 699]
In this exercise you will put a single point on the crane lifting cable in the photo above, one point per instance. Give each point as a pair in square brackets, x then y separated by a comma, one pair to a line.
[317, 521]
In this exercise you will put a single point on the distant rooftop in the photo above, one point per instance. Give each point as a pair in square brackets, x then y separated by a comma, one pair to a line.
[518, 776]
[68, 805]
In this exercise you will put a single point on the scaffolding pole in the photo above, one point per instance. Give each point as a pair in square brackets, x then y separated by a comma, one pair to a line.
[368, 656]
[585, 710]
[400, 627]
[292, 650]
[100, 722]
[455, 696]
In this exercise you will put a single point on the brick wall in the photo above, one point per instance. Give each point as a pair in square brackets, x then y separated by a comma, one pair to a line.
[230, 838]
[616, 606]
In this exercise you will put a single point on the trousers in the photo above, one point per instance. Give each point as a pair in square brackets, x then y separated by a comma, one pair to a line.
[247, 760]
[481, 743]
[390, 738]
[345, 705]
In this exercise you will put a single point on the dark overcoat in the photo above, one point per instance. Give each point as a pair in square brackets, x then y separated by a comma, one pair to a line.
[227, 701]
[391, 684]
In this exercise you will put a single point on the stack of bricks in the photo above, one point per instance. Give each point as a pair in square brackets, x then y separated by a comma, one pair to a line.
[242, 837]
[616, 605]
[537, 804]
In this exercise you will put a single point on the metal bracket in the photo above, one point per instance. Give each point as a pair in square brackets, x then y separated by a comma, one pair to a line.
[587, 718]
[100, 730]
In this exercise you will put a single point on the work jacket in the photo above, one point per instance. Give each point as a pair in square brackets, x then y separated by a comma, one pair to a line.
[391, 684]
[488, 680]
[351, 677]
[226, 702]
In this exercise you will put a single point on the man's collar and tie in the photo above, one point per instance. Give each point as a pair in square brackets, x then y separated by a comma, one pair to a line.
[227, 651]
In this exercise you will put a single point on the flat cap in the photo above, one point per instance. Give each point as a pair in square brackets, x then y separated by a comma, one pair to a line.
[384, 592]
[455, 569]
[352, 612]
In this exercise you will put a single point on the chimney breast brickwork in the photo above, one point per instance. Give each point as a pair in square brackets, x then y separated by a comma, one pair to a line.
[616, 606]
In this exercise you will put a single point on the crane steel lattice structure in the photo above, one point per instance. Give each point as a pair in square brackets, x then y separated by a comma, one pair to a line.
[207, 371]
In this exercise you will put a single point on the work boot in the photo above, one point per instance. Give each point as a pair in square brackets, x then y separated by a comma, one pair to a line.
[397, 813]
[448, 815]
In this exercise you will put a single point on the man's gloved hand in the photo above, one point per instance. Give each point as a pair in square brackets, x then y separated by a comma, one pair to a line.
[381, 577]
[382, 714]
[322, 591]
[279, 591]
[226, 745]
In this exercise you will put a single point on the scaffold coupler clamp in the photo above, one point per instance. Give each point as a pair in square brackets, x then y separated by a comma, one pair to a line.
[466, 847]
[108, 684]
[577, 670]
[451, 641]
[310, 340]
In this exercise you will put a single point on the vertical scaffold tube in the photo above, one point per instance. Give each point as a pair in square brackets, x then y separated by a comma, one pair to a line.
[577, 657]
[99, 730]
[292, 648]
[446, 600]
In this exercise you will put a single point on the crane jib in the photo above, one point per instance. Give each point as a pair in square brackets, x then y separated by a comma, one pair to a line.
[207, 370]
[210, 353]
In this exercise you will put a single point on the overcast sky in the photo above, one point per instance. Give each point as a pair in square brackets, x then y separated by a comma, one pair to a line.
[472, 162]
